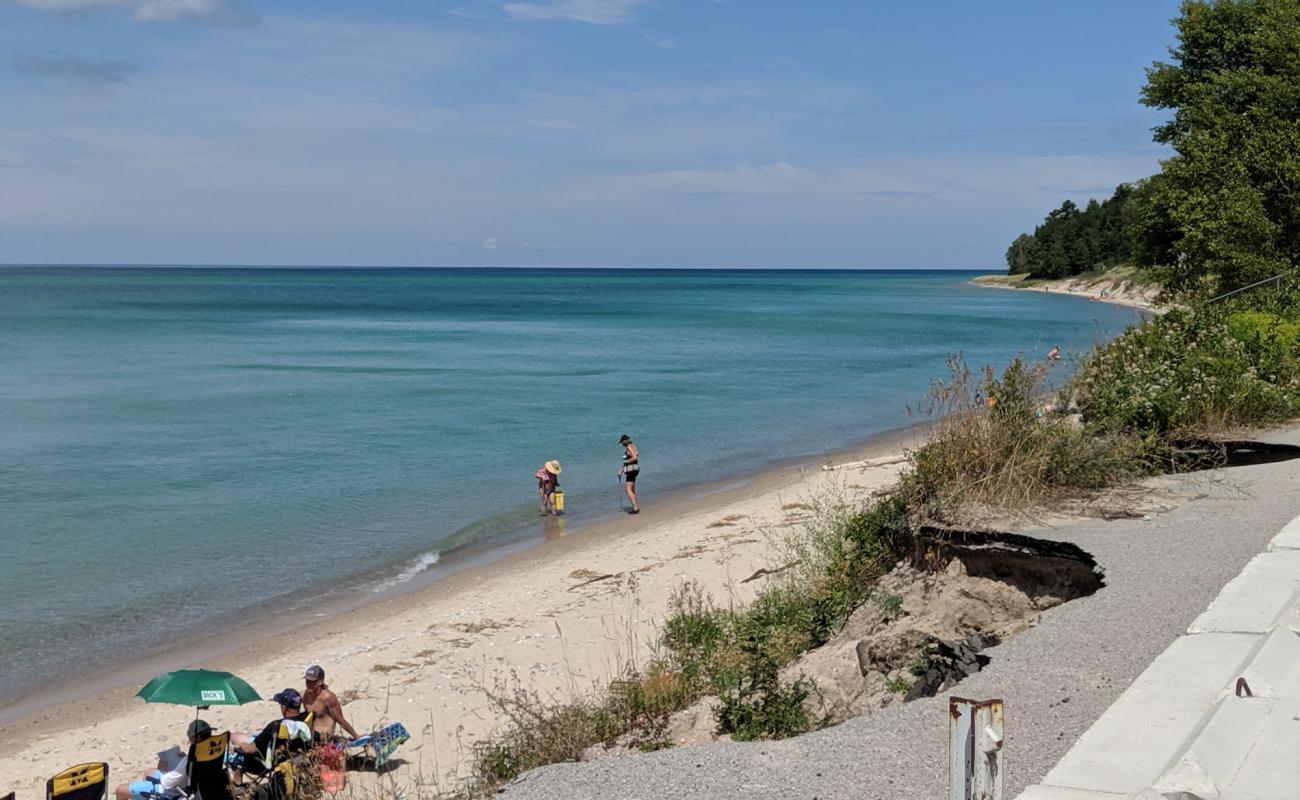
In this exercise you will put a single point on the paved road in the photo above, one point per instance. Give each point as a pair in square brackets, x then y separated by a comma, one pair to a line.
[1056, 678]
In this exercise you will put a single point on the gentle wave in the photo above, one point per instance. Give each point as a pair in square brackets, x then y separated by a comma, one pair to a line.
[412, 569]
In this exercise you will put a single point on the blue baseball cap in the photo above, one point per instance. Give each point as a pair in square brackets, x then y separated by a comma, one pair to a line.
[289, 698]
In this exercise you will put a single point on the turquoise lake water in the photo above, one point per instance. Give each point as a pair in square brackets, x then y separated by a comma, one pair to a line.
[185, 448]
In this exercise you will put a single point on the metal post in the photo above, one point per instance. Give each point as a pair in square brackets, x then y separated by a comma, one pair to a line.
[974, 749]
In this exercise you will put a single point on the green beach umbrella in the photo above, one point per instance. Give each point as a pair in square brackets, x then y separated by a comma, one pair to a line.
[198, 687]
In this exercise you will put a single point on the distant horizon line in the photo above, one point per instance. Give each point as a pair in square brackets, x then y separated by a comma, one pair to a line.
[130, 265]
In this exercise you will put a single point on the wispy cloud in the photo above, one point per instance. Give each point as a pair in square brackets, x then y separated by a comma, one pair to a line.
[74, 68]
[661, 41]
[1104, 191]
[172, 10]
[467, 12]
[70, 6]
[213, 11]
[595, 12]
[894, 193]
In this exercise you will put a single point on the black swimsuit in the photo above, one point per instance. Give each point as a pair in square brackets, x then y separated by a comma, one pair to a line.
[630, 468]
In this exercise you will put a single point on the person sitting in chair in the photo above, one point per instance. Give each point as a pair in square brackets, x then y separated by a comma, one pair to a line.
[169, 779]
[292, 731]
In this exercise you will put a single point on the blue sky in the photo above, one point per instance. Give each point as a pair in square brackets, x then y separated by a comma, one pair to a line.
[765, 133]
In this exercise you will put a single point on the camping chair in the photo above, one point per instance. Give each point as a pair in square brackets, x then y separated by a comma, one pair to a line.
[206, 768]
[9, 796]
[82, 782]
[291, 738]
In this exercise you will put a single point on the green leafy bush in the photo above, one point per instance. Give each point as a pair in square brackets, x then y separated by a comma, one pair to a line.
[1189, 373]
[763, 707]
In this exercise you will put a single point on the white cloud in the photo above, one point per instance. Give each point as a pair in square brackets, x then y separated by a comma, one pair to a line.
[661, 41]
[489, 244]
[172, 10]
[66, 6]
[74, 68]
[150, 10]
[595, 12]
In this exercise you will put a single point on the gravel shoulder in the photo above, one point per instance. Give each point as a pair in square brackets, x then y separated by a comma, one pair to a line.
[1056, 678]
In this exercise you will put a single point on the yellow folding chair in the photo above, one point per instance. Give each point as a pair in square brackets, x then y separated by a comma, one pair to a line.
[206, 768]
[82, 782]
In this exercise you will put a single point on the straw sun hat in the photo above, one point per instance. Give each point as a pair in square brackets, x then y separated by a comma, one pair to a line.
[552, 467]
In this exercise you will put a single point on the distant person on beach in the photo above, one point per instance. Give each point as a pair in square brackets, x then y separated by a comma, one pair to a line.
[548, 480]
[1054, 354]
[630, 469]
[168, 780]
[324, 705]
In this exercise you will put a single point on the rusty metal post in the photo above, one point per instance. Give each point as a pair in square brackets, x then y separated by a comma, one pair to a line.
[974, 749]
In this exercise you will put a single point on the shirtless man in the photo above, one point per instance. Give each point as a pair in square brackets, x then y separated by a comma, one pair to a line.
[318, 699]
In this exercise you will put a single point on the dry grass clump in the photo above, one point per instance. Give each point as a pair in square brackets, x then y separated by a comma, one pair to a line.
[632, 712]
[1004, 445]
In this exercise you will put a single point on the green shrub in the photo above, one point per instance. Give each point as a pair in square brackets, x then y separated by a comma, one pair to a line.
[891, 604]
[899, 685]
[762, 707]
[698, 638]
[1191, 373]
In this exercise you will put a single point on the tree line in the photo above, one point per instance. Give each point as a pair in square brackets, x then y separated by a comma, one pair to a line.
[1224, 209]
[1072, 240]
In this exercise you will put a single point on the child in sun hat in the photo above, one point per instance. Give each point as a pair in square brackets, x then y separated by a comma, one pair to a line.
[548, 479]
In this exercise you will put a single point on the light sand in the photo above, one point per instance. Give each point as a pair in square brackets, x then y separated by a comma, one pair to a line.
[1115, 287]
[561, 618]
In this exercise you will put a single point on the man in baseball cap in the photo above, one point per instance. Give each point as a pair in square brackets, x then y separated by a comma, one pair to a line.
[168, 780]
[291, 732]
[324, 705]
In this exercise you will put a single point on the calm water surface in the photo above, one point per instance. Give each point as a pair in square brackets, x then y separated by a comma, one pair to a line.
[185, 448]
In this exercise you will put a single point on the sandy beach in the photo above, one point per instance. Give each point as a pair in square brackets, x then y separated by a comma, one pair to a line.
[1114, 287]
[560, 618]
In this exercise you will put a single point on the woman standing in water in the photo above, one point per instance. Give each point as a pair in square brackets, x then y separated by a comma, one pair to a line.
[631, 466]
[548, 478]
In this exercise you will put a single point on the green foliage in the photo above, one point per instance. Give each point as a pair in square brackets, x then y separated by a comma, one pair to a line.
[1072, 241]
[700, 638]
[763, 707]
[891, 604]
[834, 561]
[1225, 210]
[899, 685]
[1189, 373]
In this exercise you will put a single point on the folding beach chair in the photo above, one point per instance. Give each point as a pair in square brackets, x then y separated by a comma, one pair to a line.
[206, 768]
[82, 782]
[378, 747]
[291, 738]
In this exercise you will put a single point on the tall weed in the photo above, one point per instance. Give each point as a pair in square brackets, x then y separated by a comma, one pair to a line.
[1003, 444]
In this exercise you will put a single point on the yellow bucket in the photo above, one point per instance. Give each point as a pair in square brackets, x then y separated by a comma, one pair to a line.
[559, 499]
